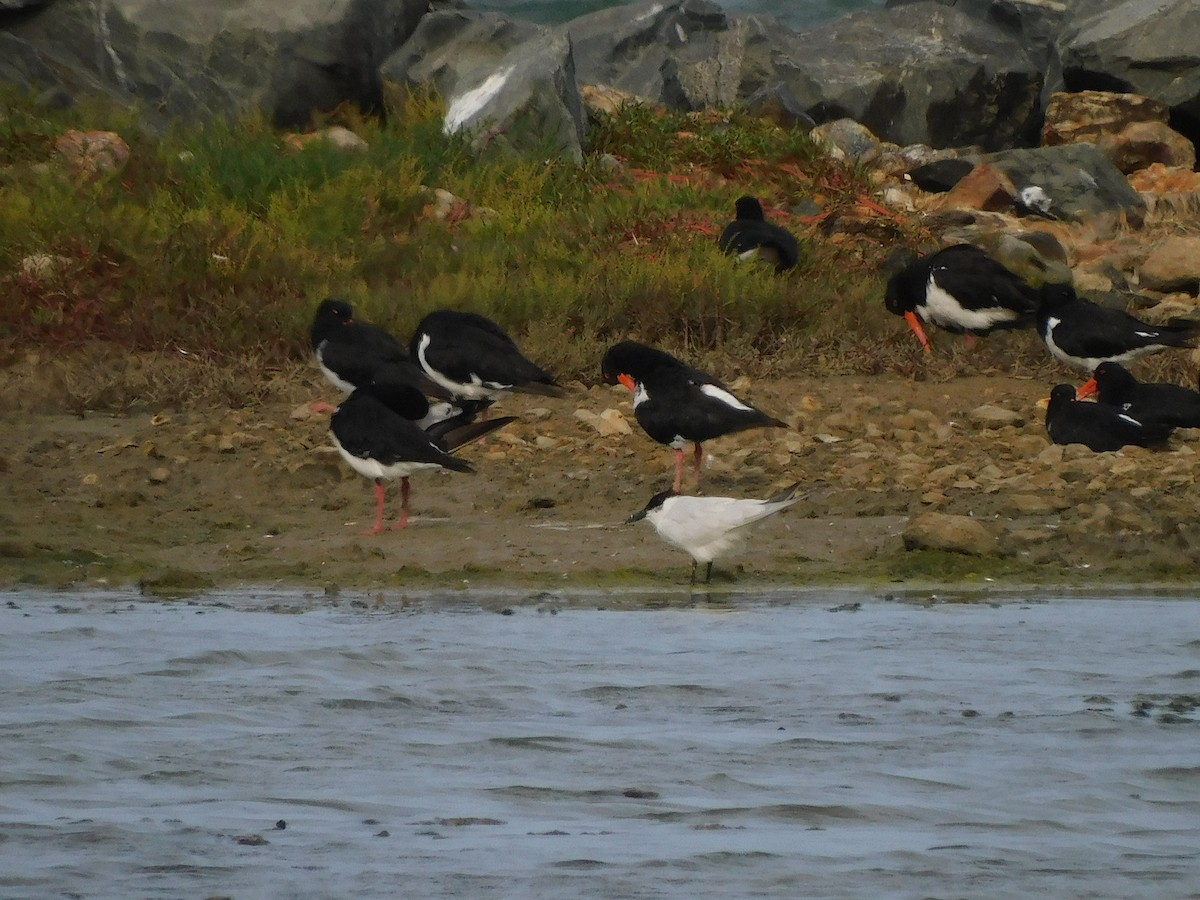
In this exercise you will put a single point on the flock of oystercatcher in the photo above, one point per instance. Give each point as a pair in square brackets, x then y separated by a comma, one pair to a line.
[964, 290]
[409, 407]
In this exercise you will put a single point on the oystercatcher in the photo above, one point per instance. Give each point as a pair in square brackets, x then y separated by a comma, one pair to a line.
[375, 430]
[1097, 426]
[472, 357]
[352, 353]
[1083, 335]
[1170, 404]
[676, 403]
[708, 527]
[961, 289]
[750, 234]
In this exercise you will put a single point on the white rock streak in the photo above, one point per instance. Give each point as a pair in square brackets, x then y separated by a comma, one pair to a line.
[465, 106]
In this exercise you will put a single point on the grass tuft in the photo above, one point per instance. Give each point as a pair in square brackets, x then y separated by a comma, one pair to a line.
[220, 240]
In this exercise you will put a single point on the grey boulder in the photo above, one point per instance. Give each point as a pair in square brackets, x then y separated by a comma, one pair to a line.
[184, 61]
[1139, 47]
[925, 73]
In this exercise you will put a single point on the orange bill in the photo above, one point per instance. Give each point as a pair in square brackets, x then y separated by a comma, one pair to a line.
[915, 324]
[1086, 389]
[627, 381]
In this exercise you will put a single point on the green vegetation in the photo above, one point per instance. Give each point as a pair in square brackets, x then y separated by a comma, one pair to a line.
[222, 239]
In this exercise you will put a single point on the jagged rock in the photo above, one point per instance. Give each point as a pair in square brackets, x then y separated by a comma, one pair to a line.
[991, 416]
[776, 102]
[1078, 179]
[450, 45]
[529, 103]
[847, 139]
[606, 100]
[1173, 265]
[1160, 179]
[211, 59]
[337, 137]
[91, 154]
[1142, 48]
[926, 73]
[941, 175]
[954, 534]
[511, 85]
[1090, 115]
[687, 55]
[985, 187]
[1037, 256]
[1034, 23]
[1141, 144]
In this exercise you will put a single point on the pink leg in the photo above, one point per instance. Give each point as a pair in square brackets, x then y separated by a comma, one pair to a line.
[678, 470]
[320, 406]
[403, 523]
[378, 510]
[697, 458]
[970, 340]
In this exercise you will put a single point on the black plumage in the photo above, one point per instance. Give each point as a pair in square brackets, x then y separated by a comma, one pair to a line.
[1170, 404]
[375, 430]
[1083, 334]
[471, 356]
[676, 403]
[352, 353]
[1096, 425]
[960, 289]
[751, 233]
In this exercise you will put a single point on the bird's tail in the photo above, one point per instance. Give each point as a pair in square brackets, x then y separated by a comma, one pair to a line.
[454, 438]
[787, 495]
[1180, 332]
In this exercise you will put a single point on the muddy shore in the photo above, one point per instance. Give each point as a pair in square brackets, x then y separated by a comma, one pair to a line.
[203, 495]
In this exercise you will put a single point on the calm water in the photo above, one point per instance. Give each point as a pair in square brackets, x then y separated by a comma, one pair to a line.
[796, 14]
[777, 746]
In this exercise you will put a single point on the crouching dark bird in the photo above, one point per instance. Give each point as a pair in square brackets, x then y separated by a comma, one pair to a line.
[1097, 426]
[750, 235]
[676, 403]
[960, 289]
[1170, 404]
[376, 432]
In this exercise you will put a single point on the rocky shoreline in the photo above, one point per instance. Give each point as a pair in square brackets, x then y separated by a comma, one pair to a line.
[906, 484]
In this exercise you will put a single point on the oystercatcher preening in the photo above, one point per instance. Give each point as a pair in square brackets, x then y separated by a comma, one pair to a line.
[708, 527]
[352, 353]
[471, 356]
[376, 432]
[961, 289]
[750, 234]
[677, 404]
[1083, 335]
[1170, 404]
[1097, 426]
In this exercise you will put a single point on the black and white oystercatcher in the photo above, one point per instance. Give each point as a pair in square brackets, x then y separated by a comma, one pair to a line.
[961, 289]
[472, 357]
[1170, 404]
[677, 404]
[1097, 426]
[352, 353]
[1083, 335]
[375, 430]
[750, 235]
[708, 527]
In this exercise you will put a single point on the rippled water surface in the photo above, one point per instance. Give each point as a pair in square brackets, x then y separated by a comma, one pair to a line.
[782, 746]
